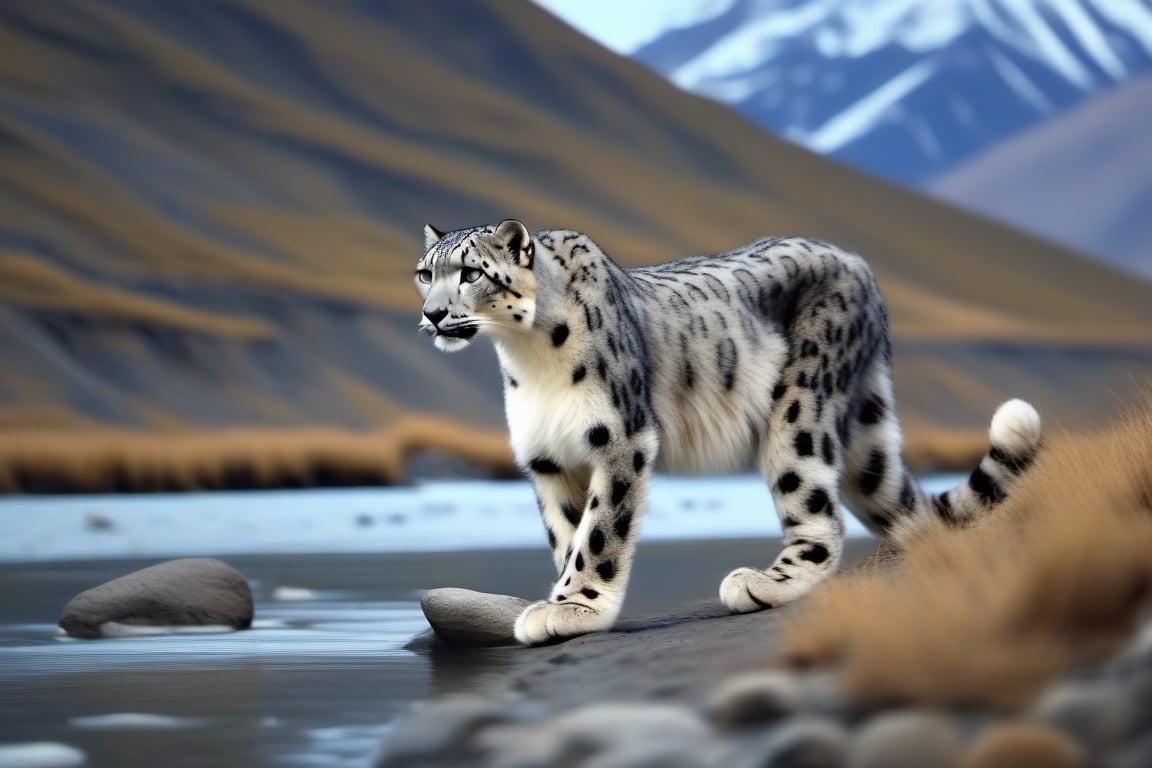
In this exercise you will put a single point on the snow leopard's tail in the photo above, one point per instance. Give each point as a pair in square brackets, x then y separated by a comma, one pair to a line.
[1014, 441]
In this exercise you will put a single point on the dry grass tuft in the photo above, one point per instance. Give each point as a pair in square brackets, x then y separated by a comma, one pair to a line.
[117, 461]
[986, 615]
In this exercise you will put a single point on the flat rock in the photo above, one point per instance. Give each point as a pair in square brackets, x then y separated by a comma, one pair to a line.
[176, 593]
[467, 619]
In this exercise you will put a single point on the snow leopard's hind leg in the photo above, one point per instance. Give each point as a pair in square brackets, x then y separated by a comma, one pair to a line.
[801, 460]
[877, 486]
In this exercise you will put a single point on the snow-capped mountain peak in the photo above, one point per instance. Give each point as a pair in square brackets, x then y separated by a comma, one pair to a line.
[932, 80]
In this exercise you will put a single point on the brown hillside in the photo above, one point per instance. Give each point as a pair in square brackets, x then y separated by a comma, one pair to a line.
[209, 212]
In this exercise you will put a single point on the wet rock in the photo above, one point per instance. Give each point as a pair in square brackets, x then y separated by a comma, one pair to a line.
[754, 699]
[1095, 714]
[440, 729]
[187, 592]
[1023, 745]
[802, 742]
[909, 739]
[468, 619]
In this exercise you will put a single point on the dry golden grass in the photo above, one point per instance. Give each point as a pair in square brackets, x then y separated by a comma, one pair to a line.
[986, 615]
[107, 460]
[54, 450]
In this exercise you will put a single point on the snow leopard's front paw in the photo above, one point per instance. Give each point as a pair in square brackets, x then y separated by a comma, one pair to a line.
[747, 589]
[545, 621]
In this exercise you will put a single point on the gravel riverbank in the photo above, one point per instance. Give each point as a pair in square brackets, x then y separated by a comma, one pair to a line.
[694, 686]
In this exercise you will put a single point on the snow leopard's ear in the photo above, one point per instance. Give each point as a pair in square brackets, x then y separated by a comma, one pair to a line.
[431, 236]
[515, 239]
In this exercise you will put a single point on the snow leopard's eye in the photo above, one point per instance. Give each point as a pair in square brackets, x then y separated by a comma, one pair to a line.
[424, 276]
[471, 275]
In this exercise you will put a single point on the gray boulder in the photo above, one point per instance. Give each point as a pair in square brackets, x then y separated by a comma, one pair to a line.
[468, 619]
[187, 592]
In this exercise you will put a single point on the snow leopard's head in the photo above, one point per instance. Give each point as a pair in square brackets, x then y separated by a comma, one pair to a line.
[477, 279]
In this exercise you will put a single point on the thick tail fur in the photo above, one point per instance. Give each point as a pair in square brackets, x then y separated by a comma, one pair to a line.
[1014, 442]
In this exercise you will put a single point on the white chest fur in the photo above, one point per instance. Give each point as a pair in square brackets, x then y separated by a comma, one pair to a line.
[548, 415]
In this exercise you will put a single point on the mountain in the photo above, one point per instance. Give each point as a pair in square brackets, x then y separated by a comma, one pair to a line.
[907, 89]
[1081, 179]
[209, 213]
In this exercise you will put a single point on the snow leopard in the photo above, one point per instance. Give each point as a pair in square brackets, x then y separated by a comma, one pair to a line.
[775, 356]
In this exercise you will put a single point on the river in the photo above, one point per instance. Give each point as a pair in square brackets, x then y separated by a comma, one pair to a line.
[336, 575]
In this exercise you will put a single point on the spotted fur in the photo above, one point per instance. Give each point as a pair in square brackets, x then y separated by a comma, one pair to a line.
[773, 356]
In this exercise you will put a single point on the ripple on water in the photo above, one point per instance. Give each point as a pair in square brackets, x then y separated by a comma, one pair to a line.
[40, 754]
[135, 721]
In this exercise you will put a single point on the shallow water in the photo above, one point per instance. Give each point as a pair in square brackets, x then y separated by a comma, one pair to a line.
[316, 682]
[312, 683]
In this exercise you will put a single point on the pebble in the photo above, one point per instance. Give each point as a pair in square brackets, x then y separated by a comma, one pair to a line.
[906, 739]
[468, 619]
[628, 735]
[516, 745]
[657, 755]
[1023, 745]
[754, 699]
[802, 742]
[439, 728]
[186, 592]
[821, 694]
[1097, 714]
[600, 726]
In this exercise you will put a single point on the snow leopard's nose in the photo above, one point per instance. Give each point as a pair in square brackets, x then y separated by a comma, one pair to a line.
[435, 316]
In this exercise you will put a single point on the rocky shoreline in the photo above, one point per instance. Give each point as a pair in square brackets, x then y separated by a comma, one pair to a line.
[686, 688]
[697, 687]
